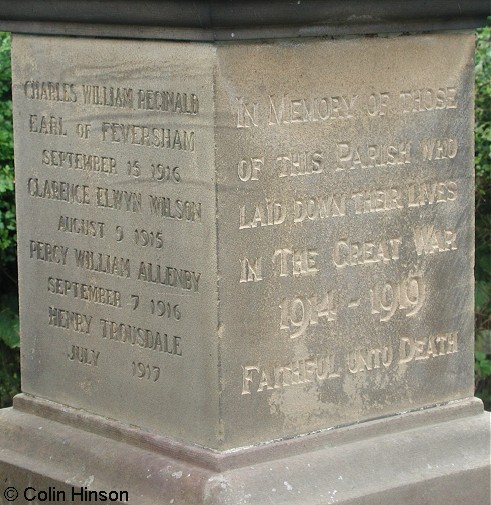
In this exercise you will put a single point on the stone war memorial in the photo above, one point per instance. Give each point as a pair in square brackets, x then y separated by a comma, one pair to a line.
[246, 250]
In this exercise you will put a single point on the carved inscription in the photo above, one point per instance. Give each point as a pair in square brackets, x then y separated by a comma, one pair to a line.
[332, 367]
[301, 312]
[110, 180]
[87, 292]
[294, 237]
[349, 156]
[141, 337]
[84, 356]
[257, 378]
[173, 102]
[308, 209]
[342, 231]
[287, 109]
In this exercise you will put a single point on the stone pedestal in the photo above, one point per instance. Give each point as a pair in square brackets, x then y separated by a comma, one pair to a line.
[245, 267]
[437, 456]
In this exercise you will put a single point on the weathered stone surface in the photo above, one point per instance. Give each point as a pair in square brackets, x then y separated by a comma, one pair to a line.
[445, 462]
[272, 238]
[208, 20]
[345, 230]
[116, 211]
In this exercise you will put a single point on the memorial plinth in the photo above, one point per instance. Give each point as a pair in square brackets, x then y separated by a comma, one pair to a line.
[245, 267]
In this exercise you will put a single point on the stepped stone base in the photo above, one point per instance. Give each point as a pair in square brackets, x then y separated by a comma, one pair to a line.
[436, 456]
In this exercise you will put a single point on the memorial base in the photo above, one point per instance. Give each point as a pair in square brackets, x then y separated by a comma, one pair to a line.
[437, 456]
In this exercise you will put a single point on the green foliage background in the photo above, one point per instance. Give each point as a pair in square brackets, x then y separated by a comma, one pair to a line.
[483, 215]
[7, 205]
[9, 322]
